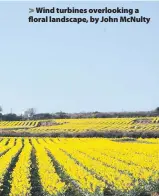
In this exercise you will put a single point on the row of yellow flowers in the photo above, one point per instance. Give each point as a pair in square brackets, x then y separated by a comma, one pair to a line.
[6, 159]
[21, 185]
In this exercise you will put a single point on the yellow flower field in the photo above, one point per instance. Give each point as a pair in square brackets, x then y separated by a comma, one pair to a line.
[80, 126]
[78, 166]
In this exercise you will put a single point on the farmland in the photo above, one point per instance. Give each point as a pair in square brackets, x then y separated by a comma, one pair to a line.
[78, 166]
[59, 157]
[98, 127]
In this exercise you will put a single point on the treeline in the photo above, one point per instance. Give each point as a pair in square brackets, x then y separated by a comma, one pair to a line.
[31, 115]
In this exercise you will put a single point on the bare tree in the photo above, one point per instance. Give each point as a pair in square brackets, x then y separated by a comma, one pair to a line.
[29, 113]
[1, 109]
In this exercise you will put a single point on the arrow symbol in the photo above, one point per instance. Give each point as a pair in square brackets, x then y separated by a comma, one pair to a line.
[31, 10]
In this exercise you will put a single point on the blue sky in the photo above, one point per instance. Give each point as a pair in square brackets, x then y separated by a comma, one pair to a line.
[74, 68]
